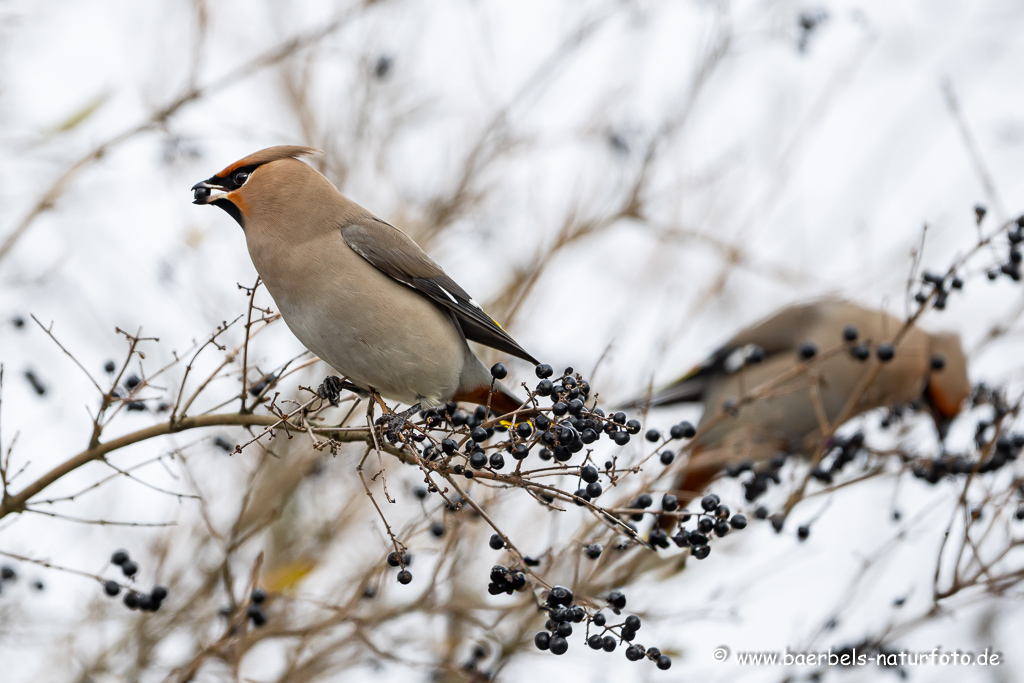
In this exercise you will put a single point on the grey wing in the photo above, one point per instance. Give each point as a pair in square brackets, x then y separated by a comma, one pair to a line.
[392, 251]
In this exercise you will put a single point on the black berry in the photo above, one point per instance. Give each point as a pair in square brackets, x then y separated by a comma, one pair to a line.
[710, 502]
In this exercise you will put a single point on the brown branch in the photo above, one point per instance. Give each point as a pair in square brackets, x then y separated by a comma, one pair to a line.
[18, 501]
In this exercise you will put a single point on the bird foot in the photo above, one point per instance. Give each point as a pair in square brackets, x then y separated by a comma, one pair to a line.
[396, 422]
[330, 389]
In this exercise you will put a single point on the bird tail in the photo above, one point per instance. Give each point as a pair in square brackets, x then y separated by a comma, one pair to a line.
[688, 389]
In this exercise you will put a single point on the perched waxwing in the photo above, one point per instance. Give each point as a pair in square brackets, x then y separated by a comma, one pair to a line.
[355, 290]
[778, 385]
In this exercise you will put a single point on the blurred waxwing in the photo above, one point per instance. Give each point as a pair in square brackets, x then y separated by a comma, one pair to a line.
[356, 291]
[777, 385]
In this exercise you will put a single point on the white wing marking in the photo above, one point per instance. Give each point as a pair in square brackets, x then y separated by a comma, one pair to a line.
[454, 300]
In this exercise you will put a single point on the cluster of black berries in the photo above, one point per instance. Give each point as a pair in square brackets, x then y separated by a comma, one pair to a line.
[403, 560]
[841, 452]
[762, 474]
[125, 391]
[562, 614]
[456, 421]
[560, 431]
[808, 349]
[1006, 449]
[505, 580]
[627, 633]
[1011, 267]
[147, 602]
[938, 285]
[985, 430]
[120, 558]
[254, 611]
[984, 395]
[995, 448]
[715, 519]
[885, 351]
[130, 384]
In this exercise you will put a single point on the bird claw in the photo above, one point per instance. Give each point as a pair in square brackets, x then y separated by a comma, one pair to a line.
[395, 423]
[330, 389]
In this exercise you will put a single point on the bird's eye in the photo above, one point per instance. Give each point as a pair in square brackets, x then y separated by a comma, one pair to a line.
[240, 178]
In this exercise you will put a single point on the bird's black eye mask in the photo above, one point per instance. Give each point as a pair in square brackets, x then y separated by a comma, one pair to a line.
[214, 190]
[231, 181]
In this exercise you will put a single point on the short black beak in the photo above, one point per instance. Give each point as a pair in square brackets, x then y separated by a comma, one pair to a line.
[203, 191]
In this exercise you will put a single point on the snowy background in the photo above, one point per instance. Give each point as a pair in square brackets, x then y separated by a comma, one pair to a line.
[774, 162]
